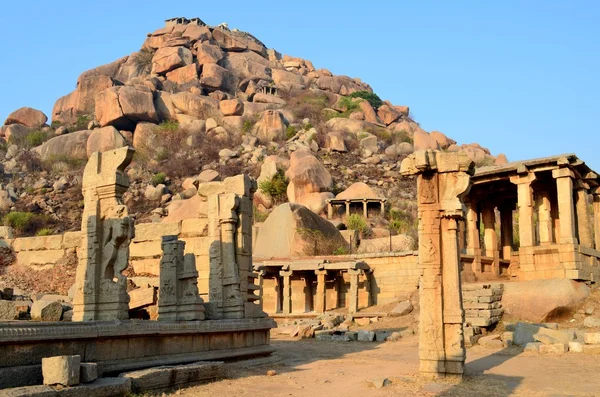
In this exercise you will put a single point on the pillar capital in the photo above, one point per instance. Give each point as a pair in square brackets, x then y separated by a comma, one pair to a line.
[321, 272]
[285, 273]
[523, 178]
[562, 173]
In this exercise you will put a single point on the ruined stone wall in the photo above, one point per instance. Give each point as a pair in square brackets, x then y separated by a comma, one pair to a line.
[43, 252]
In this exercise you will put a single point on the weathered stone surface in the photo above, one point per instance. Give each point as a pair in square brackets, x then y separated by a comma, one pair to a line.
[183, 74]
[14, 132]
[555, 348]
[214, 76]
[61, 370]
[104, 139]
[42, 310]
[423, 141]
[575, 347]
[366, 336]
[168, 58]
[195, 105]
[388, 114]
[208, 53]
[591, 338]
[100, 388]
[73, 145]
[358, 190]
[28, 117]
[231, 107]
[591, 322]
[289, 231]
[335, 141]
[491, 341]
[123, 106]
[525, 333]
[346, 125]
[180, 210]
[88, 372]
[402, 309]
[8, 310]
[271, 126]
[174, 376]
[306, 175]
[399, 243]
[536, 300]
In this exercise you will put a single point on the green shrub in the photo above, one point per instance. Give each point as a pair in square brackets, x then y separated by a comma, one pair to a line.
[340, 251]
[55, 124]
[46, 231]
[24, 222]
[247, 126]
[143, 60]
[357, 222]
[36, 138]
[371, 97]
[290, 132]
[162, 154]
[158, 179]
[81, 123]
[276, 187]
[307, 126]
[402, 136]
[63, 163]
[169, 126]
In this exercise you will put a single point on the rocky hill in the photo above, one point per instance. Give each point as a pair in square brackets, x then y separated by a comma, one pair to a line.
[200, 103]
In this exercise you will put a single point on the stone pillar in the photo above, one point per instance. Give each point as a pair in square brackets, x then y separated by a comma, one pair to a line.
[545, 217]
[442, 181]
[107, 229]
[353, 293]
[490, 237]
[473, 241]
[347, 209]
[329, 211]
[566, 211]
[525, 205]
[365, 209]
[583, 216]
[597, 218]
[382, 208]
[506, 231]
[320, 298]
[287, 291]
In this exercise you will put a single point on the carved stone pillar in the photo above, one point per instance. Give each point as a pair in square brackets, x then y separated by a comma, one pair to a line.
[320, 298]
[100, 286]
[490, 237]
[287, 291]
[347, 209]
[583, 216]
[365, 209]
[473, 241]
[329, 210]
[442, 181]
[353, 293]
[525, 206]
[566, 210]
[597, 218]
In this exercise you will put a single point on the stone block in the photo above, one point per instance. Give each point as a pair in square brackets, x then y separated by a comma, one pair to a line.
[46, 257]
[61, 370]
[154, 231]
[340, 338]
[72, 240]
[8, 310]
[365, 336]
[194, 227]
[142, 297]
[550, 336]
[6, 233]
[381, 336]
[525, 332]
[591, 338]
[40, 243]
[532, 347]
[362, 321]
[575, 347]
[352, 335]
[42, 310]
[88, 372]
[591, 322]
[555, 348]
[402, 308]
[174, 376]
[491, 341]
[146, 266]
[591, 349]
[145, 249]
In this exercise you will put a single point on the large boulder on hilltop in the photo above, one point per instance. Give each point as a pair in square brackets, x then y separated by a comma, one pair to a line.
[358, 190]
[231, 107]
[335, 141]
[248, 64]
[104, 139]
[184, 74]
[208, 53]
[197, 33]
[215, 76]
[168, 58]
[14, 132]
[388, 114]
[110, 69]
[308, 178]
[342, 85]
[28, 117]
[368, 111]
[293, 230]
[422, 141]
[73, 145]
[227, 41]
[165, 110]
[271, 126]
[287, 80]
[442, 140]
[542, 300]
[134, 66]
[124, 106]
[87, 89]
[198, 106]
[347, 125]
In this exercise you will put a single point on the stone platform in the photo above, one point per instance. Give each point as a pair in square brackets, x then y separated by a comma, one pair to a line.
[118, 346]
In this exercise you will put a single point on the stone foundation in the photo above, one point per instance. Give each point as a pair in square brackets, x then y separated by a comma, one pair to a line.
[126, 345]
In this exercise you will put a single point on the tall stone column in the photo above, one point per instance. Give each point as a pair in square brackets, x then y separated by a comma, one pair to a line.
[107, 229]
[597, 218]
[353, 293]
[525, 206]
[583, 216]
[321, 287]
[490, 237]
[506, 231]
[566, 211]
[473, 240]
[329, 210]
[442, 181]
[545, 217]
[365, 209]
[287, 291]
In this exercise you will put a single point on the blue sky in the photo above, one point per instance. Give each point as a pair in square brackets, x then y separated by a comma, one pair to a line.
[518, 77]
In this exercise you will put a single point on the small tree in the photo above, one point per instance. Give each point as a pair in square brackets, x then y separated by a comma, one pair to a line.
[276, 187]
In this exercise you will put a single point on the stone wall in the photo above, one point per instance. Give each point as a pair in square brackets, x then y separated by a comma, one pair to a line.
[42, 252]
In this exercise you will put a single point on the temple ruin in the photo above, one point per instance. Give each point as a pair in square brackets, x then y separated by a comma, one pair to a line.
[540, 219]
[443, 179]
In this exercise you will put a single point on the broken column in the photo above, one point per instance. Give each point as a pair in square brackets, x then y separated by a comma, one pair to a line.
[107, 229]
[443, 179]
[178, 297]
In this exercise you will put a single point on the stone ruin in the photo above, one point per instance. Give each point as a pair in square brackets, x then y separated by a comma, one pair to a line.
[102, 332]
[443, 179]
[184, 21]
[101, 288]
[178, 297]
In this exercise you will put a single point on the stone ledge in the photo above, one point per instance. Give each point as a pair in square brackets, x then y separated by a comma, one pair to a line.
[98, 388]
[36, 332]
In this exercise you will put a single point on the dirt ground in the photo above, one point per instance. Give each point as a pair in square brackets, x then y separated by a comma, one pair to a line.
[323, 368]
